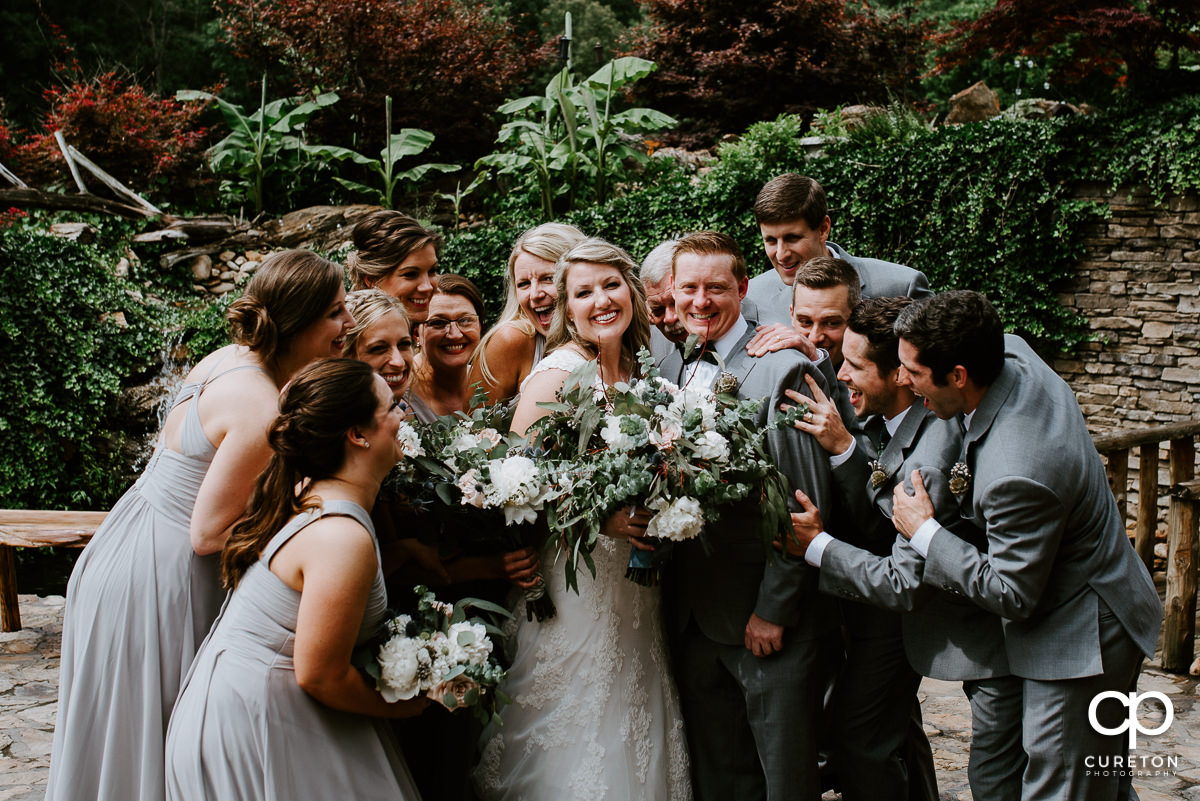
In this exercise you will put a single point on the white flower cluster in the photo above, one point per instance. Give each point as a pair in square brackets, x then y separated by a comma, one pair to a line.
[410, 441]
[412, 665]
[615, 437]
[688, 400]
[466, 439]
[515, 484]
[681, 519]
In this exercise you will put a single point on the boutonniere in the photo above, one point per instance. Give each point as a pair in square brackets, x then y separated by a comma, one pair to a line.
[726, 384]
[879, 476]
[960, 478]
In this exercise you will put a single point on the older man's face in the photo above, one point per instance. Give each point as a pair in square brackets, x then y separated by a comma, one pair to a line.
[660, 296]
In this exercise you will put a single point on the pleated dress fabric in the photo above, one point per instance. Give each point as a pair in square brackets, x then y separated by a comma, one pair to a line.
[244, 729]
[139, 603]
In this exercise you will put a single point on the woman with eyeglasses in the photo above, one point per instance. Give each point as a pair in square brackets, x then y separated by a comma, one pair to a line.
[448, 336]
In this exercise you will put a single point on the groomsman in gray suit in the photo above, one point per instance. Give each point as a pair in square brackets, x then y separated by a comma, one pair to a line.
[944, 636]
[1079, 607]
[793, 219]
[749, 630]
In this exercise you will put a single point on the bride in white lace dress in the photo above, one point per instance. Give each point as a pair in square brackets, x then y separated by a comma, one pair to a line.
[595, 714]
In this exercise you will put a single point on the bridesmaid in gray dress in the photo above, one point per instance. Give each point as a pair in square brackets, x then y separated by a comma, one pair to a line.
[147, 588]
[272, 708]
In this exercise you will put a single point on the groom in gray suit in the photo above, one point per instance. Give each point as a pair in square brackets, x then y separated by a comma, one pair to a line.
[1079, 607]
[749, 629]
[946, 637]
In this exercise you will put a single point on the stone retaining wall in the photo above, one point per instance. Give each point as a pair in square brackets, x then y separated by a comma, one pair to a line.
[1137, 285]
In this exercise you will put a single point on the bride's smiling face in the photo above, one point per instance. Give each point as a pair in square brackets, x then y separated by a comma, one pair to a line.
[598, 302]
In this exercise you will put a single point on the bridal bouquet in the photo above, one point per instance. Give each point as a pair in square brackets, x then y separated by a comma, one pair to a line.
[683, 453]
[486, 484]
[442, 654]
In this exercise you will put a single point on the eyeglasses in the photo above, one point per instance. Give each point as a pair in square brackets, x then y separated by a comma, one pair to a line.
[441, 324]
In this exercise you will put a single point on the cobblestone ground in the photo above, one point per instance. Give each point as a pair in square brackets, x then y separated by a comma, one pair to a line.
[29, 699]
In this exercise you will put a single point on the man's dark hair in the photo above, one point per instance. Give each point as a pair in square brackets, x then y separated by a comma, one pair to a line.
[826, 272]
[874, 319]
[954, 328]
[791, 197]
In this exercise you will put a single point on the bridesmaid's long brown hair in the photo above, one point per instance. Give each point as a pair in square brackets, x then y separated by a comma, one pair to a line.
[324, 401]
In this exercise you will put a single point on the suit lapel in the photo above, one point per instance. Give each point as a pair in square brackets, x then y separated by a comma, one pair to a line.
[900, 445]
[740, 363]
[985, 414]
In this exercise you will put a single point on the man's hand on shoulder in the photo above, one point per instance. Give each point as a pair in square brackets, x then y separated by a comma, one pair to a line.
[778, 336]
[806, 526]
[823, 420]
[909, 512]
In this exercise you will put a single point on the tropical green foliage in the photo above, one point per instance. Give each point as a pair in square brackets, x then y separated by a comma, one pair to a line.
[570, 142]
[409, 142]
[266, 143]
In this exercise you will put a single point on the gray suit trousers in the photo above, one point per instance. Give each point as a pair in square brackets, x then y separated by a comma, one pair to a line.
[759, 705]
[1058, 736]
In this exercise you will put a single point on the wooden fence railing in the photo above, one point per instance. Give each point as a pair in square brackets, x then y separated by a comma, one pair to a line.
[1179, 625]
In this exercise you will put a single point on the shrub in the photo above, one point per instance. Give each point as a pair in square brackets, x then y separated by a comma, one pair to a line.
[725, 62]
[152, 145]
[985, 206]
[1099, 36]
[71, 333]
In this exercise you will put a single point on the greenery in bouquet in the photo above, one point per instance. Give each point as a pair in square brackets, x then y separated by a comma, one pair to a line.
[440, 653]
[483, 485]
[684, 453]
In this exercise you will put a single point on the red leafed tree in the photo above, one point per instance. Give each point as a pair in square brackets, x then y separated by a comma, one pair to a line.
[724, 64]
[1103, 36]
[446, 63]
[151, 144]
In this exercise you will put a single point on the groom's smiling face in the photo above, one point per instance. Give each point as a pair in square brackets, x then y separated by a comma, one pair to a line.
[708, 298]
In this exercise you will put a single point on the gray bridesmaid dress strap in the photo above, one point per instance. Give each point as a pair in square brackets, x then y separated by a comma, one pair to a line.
[327, 509]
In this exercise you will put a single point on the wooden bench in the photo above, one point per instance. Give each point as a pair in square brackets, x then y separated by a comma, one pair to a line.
[34, 528]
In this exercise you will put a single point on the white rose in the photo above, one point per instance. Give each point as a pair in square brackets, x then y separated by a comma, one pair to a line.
[514, 481]
[614, 437]
[689, 399]
[712, 446]
[469, 643]
[403, 662]
[489, 438]
[464, 440]
[410, 441]
[681, 519]
[665, 437]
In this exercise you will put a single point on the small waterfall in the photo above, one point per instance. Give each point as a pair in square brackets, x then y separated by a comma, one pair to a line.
[152, 399]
